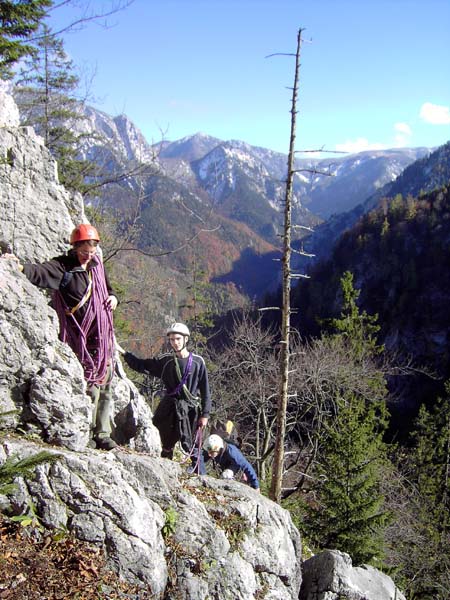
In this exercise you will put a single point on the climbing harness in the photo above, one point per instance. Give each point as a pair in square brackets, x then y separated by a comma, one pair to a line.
[183, 379]
[192, 400]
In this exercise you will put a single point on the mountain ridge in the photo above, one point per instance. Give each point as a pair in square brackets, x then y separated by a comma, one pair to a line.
[200, 180]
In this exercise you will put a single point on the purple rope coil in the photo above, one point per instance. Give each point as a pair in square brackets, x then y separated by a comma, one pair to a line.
[92, 339]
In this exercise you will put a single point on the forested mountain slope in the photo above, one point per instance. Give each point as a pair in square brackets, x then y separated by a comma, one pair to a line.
[423, 175]
[399, 254]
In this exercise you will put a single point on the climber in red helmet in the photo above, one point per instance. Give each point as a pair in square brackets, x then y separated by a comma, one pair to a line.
[84, 301]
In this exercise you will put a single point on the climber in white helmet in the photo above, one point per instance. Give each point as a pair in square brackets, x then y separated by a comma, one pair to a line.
[186, 403]
[230, 460]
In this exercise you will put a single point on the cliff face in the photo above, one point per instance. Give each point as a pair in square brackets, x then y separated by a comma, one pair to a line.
[36, 212]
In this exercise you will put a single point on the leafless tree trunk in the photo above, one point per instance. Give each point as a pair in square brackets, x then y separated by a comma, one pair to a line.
[278, 464]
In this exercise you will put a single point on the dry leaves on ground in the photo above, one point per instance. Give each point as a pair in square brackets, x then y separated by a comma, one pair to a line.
[39, 566]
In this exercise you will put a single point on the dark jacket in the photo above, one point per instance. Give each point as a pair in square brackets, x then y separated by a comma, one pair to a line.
[65, 274]
[164, 367]
[232, 458]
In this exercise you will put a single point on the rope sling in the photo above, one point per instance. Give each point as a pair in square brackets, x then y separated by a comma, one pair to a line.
[198, 443]
[92, 339]
[182, 387]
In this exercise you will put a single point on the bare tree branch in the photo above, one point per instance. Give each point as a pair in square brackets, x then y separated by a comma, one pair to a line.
[89, 14]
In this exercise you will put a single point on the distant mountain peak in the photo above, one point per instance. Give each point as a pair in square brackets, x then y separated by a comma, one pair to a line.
[190, 148]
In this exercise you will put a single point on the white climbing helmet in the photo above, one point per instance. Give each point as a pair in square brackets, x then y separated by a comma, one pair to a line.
[227, 474]
[214, 444]
[180, 328]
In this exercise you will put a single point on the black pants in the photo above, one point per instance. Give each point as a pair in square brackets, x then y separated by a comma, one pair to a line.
[177, 421]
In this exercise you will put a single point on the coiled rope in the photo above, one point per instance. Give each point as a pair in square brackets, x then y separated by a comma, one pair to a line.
[92, 339]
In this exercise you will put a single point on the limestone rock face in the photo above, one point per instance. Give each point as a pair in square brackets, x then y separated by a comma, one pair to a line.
[9, 113]
[40, 377]
[224, 539]
[331, 576]
[37, 214]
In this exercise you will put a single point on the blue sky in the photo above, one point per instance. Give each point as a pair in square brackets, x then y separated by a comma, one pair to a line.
[374, 73]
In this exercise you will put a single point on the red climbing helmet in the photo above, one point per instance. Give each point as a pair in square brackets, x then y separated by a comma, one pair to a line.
[84, 233]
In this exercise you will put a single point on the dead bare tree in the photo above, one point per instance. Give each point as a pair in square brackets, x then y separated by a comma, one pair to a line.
[287, 276]
[278, 463]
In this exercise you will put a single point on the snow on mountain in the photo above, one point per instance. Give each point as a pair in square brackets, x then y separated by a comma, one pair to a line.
[244, 180]
[190, 147]
[219, 170]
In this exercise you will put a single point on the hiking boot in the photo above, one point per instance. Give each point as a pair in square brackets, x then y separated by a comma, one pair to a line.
[167, 453]
[105, 443]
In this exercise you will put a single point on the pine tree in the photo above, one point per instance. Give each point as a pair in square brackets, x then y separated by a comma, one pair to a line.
[348, 510]
[426, 565]
[359, 328]
[432, 461]
[46, 88]
[18, 20]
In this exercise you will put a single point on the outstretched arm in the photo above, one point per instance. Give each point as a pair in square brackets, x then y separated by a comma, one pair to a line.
[141, 365]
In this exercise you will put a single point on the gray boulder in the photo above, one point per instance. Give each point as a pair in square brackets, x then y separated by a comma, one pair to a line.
[331, 576]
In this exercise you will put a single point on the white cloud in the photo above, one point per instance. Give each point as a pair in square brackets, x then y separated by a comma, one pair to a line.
[358, 145]
[403, 128]
[403, 134]
[435, 114]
